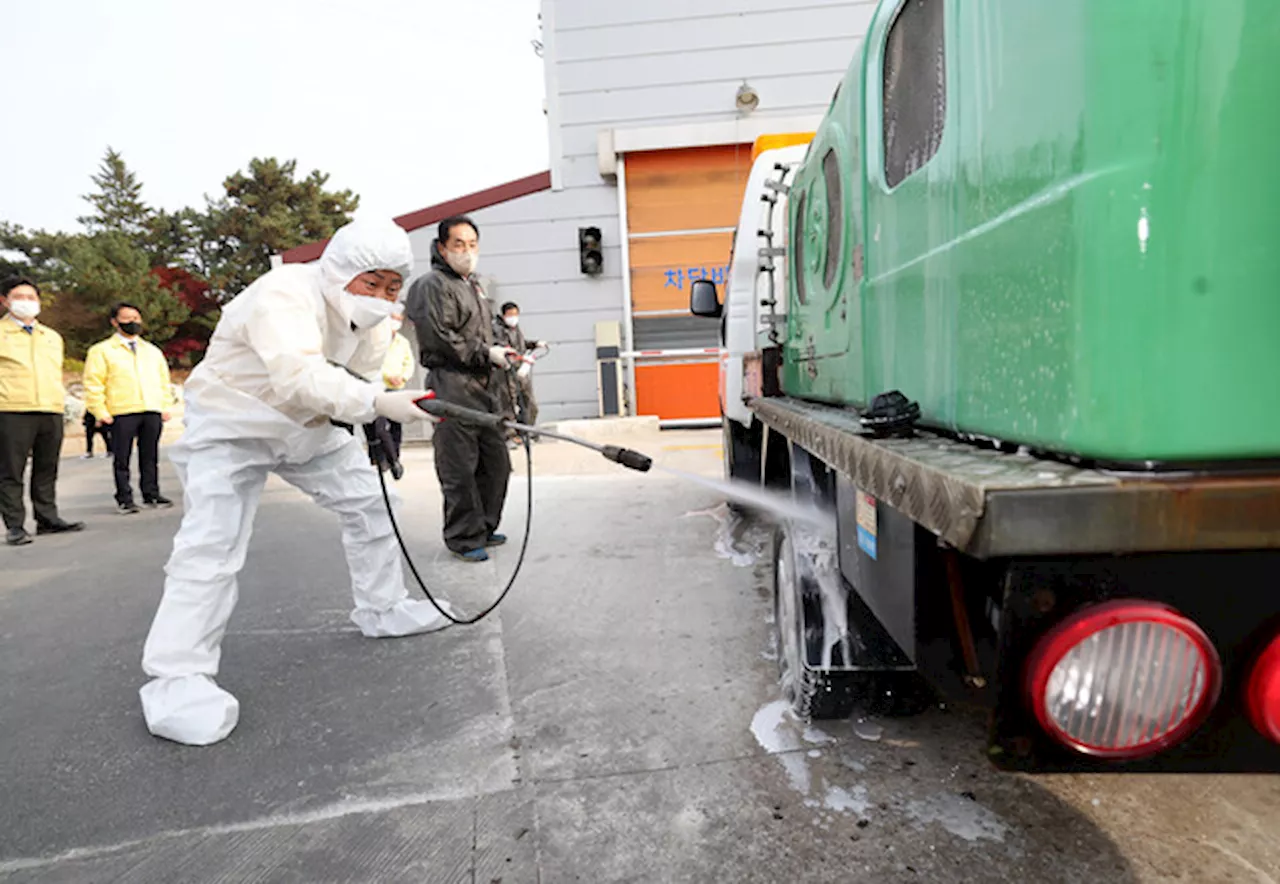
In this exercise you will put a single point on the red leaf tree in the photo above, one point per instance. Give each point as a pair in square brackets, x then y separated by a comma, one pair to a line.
[192, 337]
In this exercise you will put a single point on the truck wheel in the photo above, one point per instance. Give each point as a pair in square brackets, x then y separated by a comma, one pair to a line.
[813, 692]
[742, 449]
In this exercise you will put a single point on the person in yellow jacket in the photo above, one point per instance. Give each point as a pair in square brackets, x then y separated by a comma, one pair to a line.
[397, 369]
[127, 387]
[31, 402]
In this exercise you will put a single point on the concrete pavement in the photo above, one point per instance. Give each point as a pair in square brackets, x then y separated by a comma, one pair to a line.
[616, 721]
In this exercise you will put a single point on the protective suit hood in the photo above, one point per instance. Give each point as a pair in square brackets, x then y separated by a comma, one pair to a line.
[363, 245]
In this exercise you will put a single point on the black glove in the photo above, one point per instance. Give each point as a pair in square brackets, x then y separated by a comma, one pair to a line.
[381, 448]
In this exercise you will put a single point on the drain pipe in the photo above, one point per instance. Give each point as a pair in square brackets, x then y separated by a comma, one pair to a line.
[628, 331]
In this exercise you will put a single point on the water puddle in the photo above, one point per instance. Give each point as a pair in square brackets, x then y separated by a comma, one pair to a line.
[773, 728]
[847, 801]
[868, 730]
[817, 737]
[781, 735]
[961, 816]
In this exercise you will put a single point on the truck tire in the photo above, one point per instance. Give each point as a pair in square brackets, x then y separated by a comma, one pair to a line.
[814, 692]
[742, 451]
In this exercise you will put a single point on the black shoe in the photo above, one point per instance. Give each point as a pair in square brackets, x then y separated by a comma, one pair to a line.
[18, 537]
[127, 509]
[59, 527]
[158, 501]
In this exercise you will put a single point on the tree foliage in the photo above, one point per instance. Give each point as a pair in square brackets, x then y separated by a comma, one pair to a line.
[85, 275]
[265, 212]
[191, 336]
[117, 202]
[179, 266]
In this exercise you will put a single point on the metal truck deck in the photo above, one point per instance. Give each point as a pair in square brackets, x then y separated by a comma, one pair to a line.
[988, 503]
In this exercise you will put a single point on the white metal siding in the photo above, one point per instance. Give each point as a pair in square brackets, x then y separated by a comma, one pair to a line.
[616, 62]
[582, 14]
[721, 65]
[623, 64]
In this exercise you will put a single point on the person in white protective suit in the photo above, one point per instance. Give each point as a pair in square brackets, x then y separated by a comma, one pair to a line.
[261, 402]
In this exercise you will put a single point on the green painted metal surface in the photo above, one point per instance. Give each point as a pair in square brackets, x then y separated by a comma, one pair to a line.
[1088, 262]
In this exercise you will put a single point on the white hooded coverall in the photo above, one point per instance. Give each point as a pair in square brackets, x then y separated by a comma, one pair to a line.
[260, 402]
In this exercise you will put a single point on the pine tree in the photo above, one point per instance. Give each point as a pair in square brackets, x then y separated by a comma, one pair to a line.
[266, 212]
[118, 205]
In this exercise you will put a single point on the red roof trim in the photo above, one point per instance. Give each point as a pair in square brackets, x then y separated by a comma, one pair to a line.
[463, 205]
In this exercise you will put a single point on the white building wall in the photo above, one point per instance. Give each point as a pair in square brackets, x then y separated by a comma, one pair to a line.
[630, 64]
[640, 64]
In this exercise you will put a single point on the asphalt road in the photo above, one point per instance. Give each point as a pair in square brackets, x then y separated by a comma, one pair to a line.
[617, 721]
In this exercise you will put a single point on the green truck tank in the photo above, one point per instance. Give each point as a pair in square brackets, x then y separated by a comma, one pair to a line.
[1052, 224]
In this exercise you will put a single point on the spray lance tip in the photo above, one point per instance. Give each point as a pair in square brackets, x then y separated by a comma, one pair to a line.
[631, 459]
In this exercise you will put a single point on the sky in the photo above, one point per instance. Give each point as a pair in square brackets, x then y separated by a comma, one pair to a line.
[406, 102]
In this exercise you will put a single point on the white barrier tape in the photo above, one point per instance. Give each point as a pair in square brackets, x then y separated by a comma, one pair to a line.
[659, 354]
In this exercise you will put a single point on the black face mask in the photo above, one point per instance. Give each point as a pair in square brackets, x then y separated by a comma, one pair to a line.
[131, 328]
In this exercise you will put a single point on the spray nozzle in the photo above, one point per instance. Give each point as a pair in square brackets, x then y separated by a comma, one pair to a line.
[631, 459]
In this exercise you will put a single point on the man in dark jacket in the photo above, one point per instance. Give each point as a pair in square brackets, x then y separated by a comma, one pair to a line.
[518, 402]
[465, 366]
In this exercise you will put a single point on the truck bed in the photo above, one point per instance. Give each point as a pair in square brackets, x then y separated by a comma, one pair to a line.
[989, 503]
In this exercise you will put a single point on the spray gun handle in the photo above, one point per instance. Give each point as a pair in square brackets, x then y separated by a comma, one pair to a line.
[441, 409]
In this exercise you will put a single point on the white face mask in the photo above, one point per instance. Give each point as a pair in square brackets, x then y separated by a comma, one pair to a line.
[463, 263]
[511, 321]
[24, 309]
[363, 311]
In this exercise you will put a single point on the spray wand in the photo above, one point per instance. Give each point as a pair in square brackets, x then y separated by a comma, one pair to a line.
[439, 408]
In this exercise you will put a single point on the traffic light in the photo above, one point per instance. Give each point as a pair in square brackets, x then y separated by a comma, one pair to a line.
[590, 253]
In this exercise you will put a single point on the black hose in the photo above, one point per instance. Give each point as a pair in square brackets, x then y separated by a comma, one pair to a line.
[624, 456]
[524, 545]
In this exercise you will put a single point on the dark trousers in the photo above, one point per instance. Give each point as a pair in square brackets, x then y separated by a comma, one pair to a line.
[145, 427]
[92, 427]
[529, 412]
[37, 435]
[518, 403]
[473, 468]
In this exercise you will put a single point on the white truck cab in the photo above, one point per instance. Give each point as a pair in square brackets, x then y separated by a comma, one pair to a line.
[753, 308]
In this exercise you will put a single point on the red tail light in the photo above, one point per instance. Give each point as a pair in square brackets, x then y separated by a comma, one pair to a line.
[1123, 679]
[1262, 692]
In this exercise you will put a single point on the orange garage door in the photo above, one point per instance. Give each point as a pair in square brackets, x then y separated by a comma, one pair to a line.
[682, 206]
